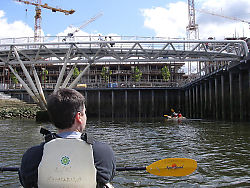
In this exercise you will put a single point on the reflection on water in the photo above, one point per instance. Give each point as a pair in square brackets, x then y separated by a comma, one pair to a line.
[221, 150]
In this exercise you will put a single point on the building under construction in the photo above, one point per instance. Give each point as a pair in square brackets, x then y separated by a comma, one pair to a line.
[149, 74]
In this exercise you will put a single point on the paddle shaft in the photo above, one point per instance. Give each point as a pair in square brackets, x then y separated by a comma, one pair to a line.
[130, 168]
[13, 169]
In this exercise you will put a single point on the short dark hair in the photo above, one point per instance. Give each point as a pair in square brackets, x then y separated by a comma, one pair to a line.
[63, 106]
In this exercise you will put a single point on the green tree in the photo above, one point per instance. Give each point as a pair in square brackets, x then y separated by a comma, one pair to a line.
[106, 73]
[165, 73]
[76, 72]
[44, 74]
[137, 74]
[14, 78]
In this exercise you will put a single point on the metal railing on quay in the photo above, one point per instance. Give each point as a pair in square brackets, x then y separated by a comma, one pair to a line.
[128, 84]
[127, 42]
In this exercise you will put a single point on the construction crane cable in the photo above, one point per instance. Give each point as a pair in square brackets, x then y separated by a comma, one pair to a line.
[84, 25]
[223, 16]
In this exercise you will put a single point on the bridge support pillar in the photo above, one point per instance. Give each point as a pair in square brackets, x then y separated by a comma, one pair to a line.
[153, 103]
[99, 105]
[194, 106]
[179, 100]
[190, 102]
[222, 97]
[139, 104]
[126, 104]
[113, 104]
[216, 98]
[205, 99]
[197, 101]
[186, 103]
[166, 101]
[241, 97]
[201, 101]
[86, 97]
[210, 98]
[248, 95]
[231, 95]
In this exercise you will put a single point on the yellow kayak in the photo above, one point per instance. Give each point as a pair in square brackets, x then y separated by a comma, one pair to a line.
[174, 118]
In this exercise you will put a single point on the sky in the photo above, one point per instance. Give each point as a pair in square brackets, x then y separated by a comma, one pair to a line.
[145, 18]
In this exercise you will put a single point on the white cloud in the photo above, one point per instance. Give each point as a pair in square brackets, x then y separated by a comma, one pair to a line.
[15, 29]
[224, 26]
[1, 13]
[20, 29]
[72, 30]
[171, 21]
[168, 21]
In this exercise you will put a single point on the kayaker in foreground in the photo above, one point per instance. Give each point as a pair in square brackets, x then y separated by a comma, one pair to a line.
[69, 158]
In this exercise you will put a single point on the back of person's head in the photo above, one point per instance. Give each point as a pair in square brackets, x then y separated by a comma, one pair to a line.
[63, 106]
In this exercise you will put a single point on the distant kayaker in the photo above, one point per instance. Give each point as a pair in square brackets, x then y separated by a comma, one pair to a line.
[174, 114]
[69, 158]
[179, 115]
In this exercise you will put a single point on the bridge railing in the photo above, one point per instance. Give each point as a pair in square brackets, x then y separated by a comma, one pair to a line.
[235, 47]
[51, 39]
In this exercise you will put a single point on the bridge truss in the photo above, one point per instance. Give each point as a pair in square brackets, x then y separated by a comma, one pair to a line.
[89, 52]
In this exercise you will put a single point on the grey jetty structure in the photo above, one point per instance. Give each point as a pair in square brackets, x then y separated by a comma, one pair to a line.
[87, 51]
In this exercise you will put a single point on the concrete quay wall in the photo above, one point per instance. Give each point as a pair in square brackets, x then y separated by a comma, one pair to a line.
[222, 95]
[123, 102]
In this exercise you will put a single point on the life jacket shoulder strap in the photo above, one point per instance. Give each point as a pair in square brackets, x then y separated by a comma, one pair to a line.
[48, 136]
[87, 138]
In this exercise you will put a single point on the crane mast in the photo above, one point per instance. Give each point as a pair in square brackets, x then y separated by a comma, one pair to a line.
[38, 18]
[192, 28]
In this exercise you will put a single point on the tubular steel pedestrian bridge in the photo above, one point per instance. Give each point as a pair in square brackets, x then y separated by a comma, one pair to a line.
[90, 50]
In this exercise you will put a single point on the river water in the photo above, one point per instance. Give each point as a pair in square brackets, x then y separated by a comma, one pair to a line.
[221, 150]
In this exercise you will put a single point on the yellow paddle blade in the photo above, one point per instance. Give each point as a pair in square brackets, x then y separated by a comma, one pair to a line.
[172, 167]
[165, 115]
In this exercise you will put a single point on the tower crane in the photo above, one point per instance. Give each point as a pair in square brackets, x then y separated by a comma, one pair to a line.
[192, 28]
[223, 16]
[38, 4]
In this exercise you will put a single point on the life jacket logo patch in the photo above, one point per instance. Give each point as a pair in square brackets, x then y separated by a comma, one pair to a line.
[65, 160]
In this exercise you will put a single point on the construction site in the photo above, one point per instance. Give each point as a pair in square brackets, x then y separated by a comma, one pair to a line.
[170, 109]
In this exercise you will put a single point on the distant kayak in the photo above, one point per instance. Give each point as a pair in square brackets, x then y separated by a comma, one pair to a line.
[174, 118]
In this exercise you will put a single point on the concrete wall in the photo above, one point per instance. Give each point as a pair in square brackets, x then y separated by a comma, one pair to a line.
[124, 102]
[130, 103]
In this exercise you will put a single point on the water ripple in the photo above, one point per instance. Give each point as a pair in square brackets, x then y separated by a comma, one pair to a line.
[221, 150]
